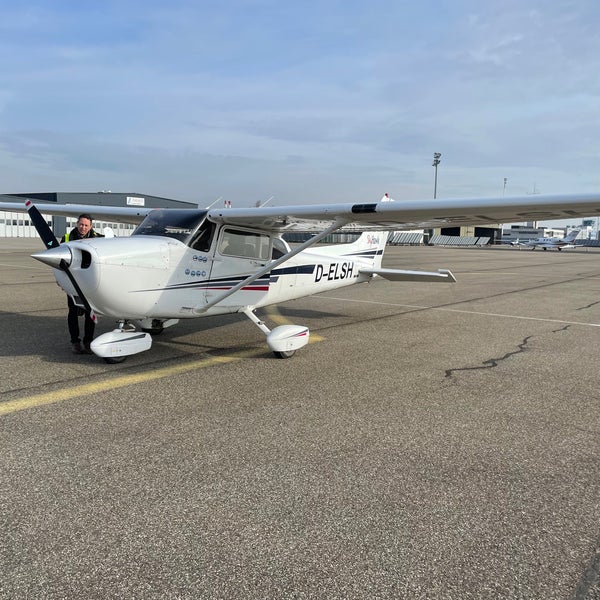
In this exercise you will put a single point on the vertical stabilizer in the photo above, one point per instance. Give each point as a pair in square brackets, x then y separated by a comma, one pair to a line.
[369, 246]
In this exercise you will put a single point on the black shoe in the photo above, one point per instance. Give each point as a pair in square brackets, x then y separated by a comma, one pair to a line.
[77, 349]
[87, 349]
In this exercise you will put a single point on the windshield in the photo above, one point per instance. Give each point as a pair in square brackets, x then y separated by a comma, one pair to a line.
[173, 223]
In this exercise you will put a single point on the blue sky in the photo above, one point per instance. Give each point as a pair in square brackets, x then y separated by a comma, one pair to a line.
[306, 101]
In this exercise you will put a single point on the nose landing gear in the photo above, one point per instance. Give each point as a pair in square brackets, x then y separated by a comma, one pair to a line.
[116, 345]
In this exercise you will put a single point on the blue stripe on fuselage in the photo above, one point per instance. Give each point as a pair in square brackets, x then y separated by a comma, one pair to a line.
[297, 270]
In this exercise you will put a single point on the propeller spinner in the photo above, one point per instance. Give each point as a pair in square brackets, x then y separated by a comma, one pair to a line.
[58, 258]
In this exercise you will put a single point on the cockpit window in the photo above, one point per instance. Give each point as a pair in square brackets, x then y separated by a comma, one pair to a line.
[173, 223]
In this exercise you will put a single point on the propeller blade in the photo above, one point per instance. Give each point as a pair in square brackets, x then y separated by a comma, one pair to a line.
[41, 226]
[57, 258]
[65, 267]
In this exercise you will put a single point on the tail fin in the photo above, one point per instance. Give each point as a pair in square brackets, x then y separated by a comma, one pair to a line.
[368, 248]
[370, 245]
[572, 236]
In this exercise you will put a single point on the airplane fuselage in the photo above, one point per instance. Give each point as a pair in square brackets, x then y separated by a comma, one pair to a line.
[152, 277]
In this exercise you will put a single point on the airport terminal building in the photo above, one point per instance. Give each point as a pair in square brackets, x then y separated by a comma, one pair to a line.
[19, 225]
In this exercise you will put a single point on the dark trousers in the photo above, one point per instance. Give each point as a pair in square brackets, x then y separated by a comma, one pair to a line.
[73, 322]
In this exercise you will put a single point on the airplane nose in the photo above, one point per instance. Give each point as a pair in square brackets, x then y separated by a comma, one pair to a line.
[55, 256]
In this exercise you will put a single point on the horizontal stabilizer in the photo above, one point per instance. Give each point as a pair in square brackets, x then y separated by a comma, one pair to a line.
[441, 275]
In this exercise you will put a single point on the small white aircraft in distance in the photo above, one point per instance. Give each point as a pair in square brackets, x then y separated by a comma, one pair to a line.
[190, 263]
[554, 242]
[516, 242]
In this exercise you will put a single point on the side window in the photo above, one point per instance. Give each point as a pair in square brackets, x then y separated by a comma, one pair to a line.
[204, 237]
[244, 243]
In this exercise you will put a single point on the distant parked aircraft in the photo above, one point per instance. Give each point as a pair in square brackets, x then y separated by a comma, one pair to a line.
[513, 242]
[554, 242]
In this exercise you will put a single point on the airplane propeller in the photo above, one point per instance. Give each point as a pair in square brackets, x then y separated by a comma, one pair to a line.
[55, 257]
[41, 225]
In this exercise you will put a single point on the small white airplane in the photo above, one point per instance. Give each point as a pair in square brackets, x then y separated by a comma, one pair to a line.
[554, 242]
[516, 242]
[190, 263]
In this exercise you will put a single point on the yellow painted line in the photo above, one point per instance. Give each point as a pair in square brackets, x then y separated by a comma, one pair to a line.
[12, 406]
[276, 316]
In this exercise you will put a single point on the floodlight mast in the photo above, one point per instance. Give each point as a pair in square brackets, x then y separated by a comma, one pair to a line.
[436, 161]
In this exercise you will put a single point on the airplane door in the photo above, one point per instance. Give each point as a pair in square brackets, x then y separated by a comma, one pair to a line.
[239, 253]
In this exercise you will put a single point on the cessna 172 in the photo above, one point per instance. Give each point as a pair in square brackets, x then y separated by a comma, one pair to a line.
[183, 264]
[554, 242]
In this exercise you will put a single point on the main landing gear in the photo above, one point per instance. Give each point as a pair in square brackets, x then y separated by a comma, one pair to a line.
[284, 340]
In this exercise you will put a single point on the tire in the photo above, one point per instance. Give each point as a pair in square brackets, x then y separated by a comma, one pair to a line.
[285, 354]
[153, 330]
[114, 361]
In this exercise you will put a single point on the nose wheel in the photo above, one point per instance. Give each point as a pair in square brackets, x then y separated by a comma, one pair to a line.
[114, 361]
[116, 345]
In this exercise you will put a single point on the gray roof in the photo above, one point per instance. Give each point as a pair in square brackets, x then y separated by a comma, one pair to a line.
[100, 199]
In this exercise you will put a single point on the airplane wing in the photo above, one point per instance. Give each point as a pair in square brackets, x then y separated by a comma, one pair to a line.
[119, 214]
[403, 214]
[411, 214]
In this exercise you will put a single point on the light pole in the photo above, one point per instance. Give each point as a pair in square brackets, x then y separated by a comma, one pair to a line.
[436, 162]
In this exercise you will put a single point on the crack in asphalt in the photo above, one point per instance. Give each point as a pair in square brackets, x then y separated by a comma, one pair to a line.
[490, 363]
[588, 305]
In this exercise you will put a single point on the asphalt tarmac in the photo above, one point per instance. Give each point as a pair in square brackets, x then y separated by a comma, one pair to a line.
[436, 441]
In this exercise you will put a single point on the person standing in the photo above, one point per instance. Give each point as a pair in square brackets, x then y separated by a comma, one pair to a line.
[83, 230]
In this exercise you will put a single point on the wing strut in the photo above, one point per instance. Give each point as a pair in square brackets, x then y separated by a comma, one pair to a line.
[337, 224]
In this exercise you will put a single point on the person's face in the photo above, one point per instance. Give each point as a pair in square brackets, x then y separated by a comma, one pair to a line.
[84, 226]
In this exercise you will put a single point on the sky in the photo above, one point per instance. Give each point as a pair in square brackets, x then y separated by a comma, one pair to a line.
[305, 102]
